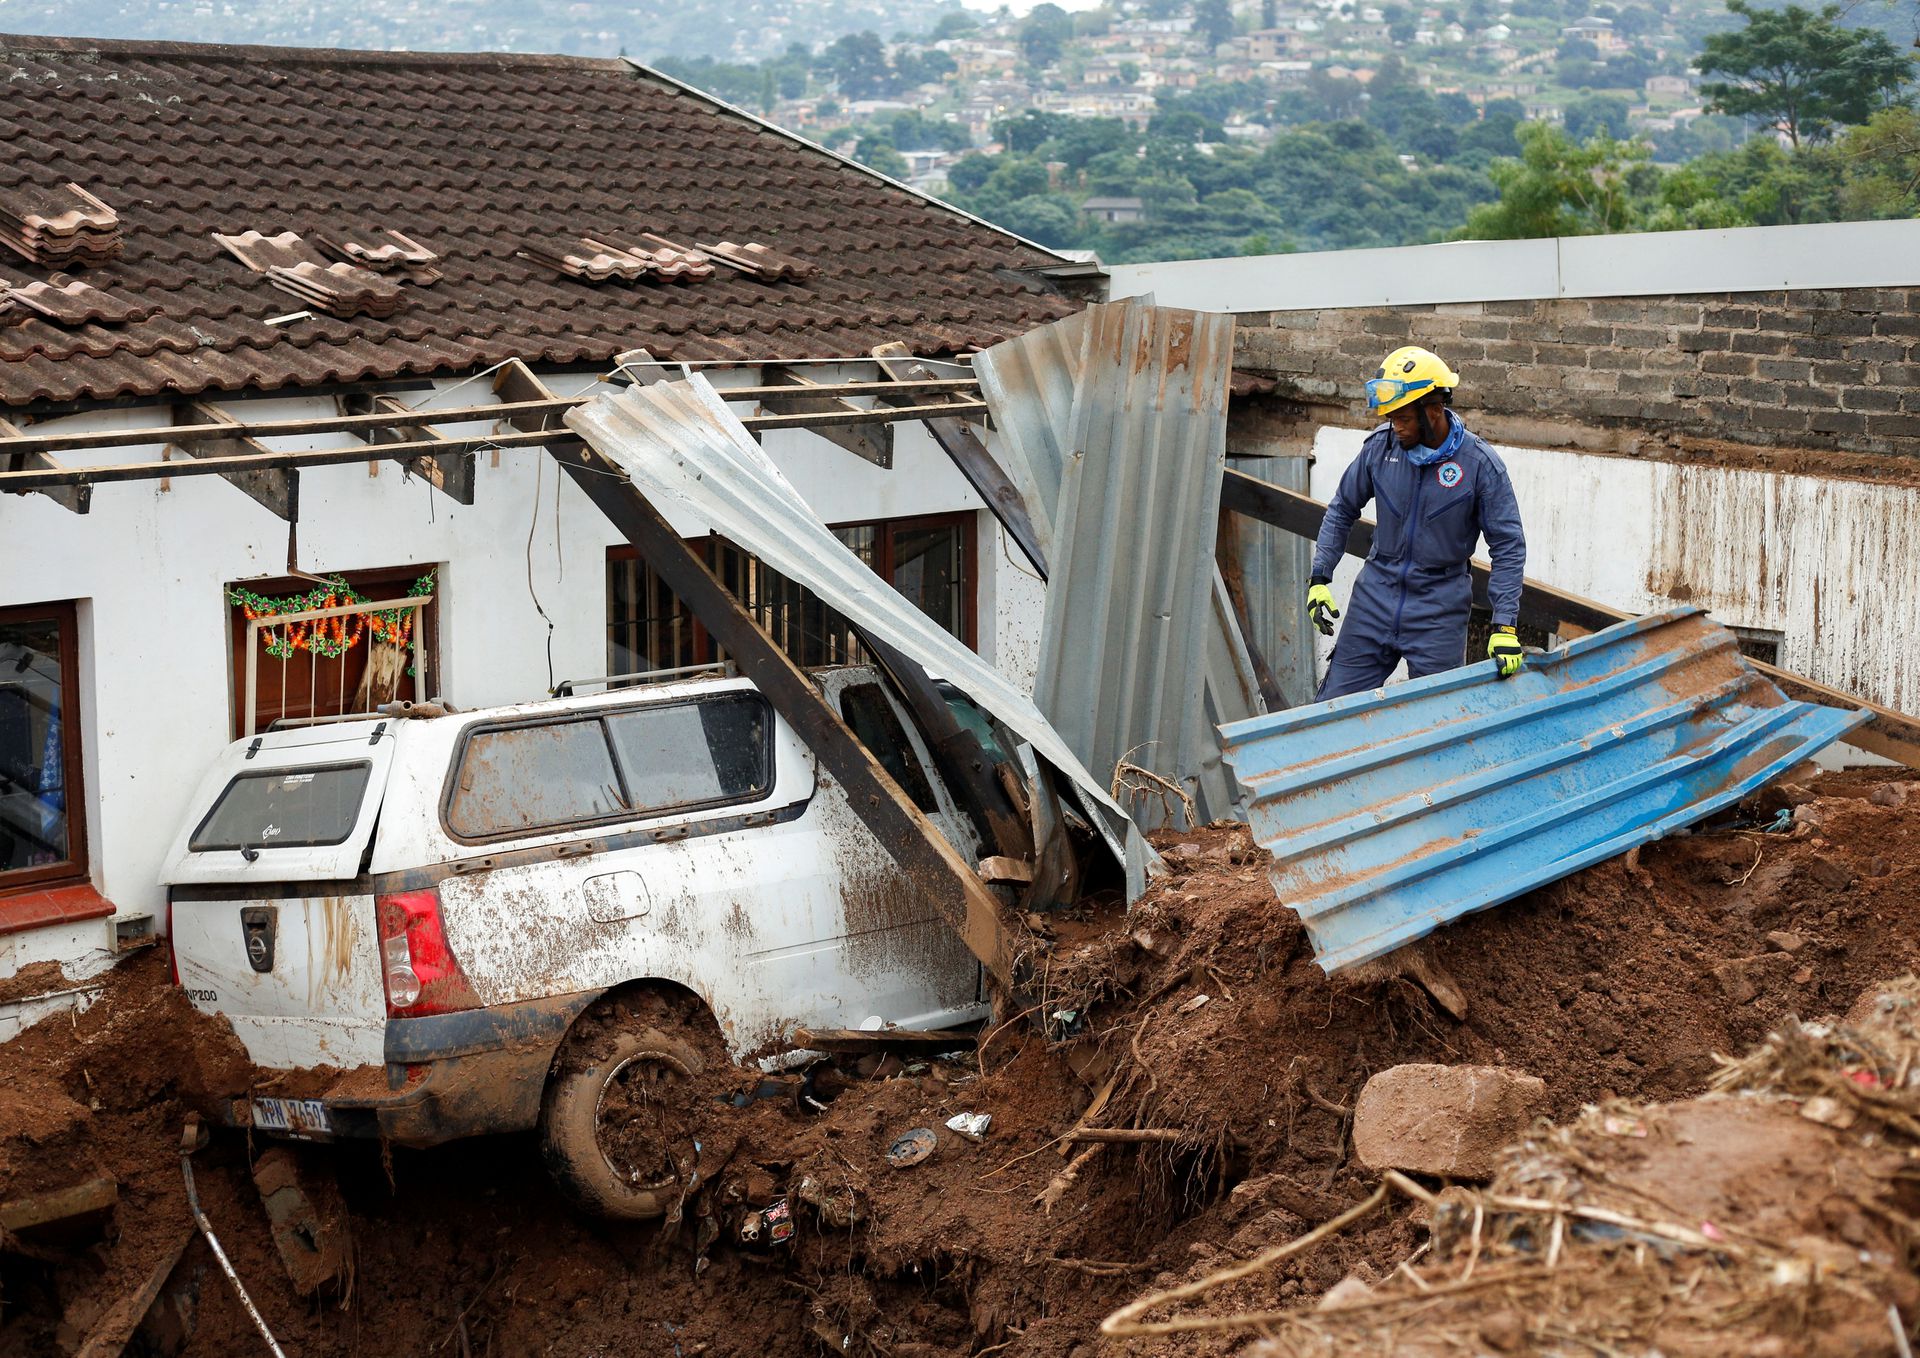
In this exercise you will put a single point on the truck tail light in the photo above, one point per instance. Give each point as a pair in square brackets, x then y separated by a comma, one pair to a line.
[173, 954]
[421, 973]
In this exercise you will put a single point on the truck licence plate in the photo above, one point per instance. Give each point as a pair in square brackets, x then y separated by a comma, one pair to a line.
[297, 1116]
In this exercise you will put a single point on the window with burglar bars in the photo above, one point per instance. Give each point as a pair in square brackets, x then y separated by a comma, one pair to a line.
[322, 667]
[929, 560]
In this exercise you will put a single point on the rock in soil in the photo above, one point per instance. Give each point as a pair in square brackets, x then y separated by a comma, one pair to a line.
[1448, 1121]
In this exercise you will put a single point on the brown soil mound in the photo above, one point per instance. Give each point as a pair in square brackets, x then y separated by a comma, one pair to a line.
[1620, 983]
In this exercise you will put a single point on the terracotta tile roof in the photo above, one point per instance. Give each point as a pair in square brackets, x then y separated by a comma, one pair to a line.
[473, 156]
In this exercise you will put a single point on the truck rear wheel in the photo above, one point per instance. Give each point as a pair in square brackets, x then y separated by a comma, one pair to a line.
[620, 1124]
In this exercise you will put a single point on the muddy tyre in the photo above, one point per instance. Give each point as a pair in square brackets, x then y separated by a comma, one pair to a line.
[619, 1120]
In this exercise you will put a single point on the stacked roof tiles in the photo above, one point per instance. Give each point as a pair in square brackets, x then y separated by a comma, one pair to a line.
[59, 226]
[296, 268]
[468, 159]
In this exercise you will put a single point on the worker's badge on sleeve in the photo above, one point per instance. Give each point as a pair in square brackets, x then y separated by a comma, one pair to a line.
[1449, 474]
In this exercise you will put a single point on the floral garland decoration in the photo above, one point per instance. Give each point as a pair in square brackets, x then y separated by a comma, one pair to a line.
[329, 637]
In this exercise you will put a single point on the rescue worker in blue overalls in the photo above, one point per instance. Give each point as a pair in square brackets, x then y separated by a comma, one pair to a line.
[1439, 488]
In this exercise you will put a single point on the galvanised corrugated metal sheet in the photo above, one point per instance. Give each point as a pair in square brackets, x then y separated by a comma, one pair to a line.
[1123, 649]
[1032, 384]
[680, 444]
[1274, 566]
[1393, 811]
[1028, 383]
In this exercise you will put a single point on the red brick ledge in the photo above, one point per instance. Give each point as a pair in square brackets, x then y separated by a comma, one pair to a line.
[54, 905]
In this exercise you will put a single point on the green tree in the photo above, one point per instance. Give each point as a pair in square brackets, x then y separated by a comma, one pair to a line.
[1025, 132]
[1177, 125]
[1044, 33]
[1016, 177]
[969, 172]
[878, 153]
[1774, 187]
[955, 23]
[1213, 22]
[1559, 187]
[1882, 166]
[858, 64]
[1799, 71]
[1078, 140]
[1591, 115]
[1493, 135]
[1046, 218]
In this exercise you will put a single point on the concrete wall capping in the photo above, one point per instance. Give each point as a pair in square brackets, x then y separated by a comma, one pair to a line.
[1685, 267]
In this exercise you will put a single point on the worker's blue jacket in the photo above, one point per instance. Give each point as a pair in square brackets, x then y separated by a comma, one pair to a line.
[1414, 595]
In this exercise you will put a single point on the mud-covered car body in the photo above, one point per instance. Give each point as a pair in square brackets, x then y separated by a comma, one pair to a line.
[406, 915]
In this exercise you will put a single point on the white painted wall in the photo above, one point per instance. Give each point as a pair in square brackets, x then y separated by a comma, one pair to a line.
[148, 565]
[1826, 562]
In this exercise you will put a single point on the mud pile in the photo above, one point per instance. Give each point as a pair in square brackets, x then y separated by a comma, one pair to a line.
[1194, 1039]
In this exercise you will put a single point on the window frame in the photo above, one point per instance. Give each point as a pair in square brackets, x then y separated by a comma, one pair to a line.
[598, 717]
[194, 846]
[701, 648]
[375, 582]
[75, 867]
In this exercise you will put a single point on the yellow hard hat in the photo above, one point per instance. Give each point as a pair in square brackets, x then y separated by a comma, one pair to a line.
[1405, 375]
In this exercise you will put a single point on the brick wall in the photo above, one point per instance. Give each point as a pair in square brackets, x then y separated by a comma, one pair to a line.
[1835, 370]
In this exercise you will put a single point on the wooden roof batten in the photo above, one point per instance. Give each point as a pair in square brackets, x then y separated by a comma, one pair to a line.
[208, 440]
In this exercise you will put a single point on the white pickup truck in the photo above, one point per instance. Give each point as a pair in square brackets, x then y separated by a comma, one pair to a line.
[492, 920]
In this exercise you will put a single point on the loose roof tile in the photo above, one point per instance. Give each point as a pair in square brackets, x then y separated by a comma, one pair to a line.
[473, 155]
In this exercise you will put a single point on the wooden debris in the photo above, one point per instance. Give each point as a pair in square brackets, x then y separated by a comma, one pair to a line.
[110, 1333]
[95, 1197]
[855, 1040]
[1000, 868]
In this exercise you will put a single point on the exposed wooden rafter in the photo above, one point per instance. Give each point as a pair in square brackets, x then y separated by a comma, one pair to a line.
[277, 488]
[79, 498]
[988, 479]
[450, 472]
[873, 442]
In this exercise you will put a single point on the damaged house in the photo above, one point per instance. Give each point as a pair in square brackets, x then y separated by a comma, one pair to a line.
[207, 236]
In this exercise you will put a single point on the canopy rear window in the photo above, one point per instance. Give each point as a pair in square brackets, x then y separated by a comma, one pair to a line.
[288, 808]
[614, 765]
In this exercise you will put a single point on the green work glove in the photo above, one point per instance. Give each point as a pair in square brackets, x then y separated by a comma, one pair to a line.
[1320, 607]
[1503, 648]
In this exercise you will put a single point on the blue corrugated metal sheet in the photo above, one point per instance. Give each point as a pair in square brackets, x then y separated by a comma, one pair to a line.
[1393, 811]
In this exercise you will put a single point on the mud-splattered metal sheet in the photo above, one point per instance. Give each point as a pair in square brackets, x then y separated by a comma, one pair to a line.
[1393, 811]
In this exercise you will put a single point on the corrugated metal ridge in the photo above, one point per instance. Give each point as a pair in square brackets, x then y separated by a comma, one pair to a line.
[1028, 383]
[1124, 642]
[1392, 811]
